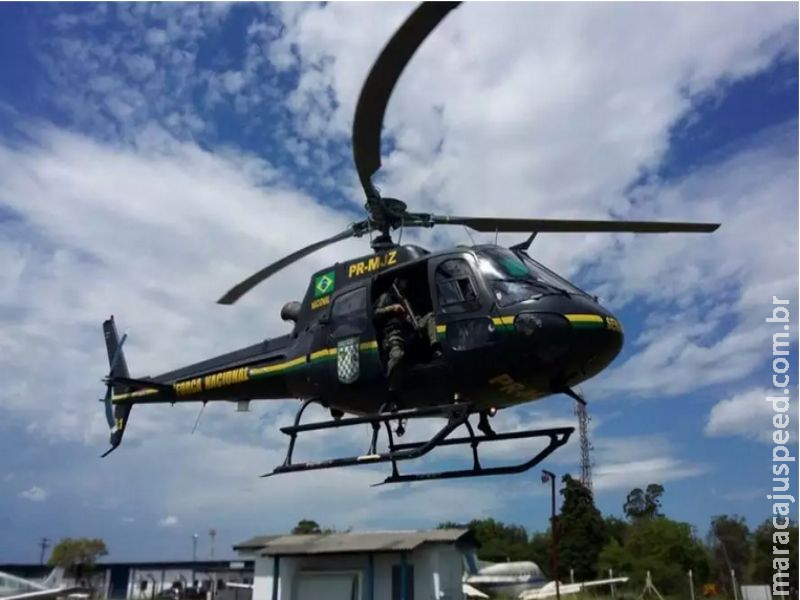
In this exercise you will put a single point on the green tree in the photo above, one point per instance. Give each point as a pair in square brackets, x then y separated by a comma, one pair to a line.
[616, 529]
[306, 526]
[77, 556]
[540, 552]
[581, 531]
[666, 548]
[729, 540]
[764, 538]
[498, 541]
[644, 503]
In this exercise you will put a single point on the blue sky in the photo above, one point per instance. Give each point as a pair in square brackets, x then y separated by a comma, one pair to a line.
[152, 155]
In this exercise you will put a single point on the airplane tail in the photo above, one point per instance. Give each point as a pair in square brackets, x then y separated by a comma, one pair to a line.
[54, 579]
[470, 563]
[116, 414]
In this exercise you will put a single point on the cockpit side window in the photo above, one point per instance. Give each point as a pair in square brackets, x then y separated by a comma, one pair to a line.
[350, 305]
[455, 286]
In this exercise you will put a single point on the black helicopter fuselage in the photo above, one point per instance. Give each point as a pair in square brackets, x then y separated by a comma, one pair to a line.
[509, 331]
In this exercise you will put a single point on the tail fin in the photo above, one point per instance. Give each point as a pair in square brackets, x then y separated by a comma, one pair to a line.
[117, 368]
[116, 358]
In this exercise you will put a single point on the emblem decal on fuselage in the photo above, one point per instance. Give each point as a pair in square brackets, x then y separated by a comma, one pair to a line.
[347, 360]
[324, 284]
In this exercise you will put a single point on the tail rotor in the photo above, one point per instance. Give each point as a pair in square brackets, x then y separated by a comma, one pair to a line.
[116, 415]
[109, 383]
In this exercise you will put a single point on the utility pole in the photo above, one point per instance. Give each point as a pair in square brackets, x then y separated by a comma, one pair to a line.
[194, 558]
[551, 477]
[212, 533]
[44, 543]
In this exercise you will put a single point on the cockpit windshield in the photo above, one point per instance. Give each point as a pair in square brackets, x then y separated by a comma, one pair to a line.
[517, 277]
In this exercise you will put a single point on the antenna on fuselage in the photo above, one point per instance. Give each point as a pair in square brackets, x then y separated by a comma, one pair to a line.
[472, 239]
[526, 244]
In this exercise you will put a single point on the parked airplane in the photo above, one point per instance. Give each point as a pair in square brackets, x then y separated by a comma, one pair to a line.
[521, 579]
[549, 590]
[18, 588]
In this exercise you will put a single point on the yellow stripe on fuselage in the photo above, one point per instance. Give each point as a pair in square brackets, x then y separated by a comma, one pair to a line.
[278, 367]
[585, 318]
[136, 394]
[503, 320]
[275, 368]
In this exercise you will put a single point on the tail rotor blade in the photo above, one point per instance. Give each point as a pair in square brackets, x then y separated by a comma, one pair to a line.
[117, 353]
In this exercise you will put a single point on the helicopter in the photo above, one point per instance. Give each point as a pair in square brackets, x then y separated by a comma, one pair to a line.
[505, 329]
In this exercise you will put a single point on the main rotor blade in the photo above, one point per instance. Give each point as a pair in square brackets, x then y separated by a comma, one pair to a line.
[490, 224]
[240, 289]
[381, 81]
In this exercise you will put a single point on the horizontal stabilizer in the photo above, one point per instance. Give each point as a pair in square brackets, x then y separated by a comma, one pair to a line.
[139, 384]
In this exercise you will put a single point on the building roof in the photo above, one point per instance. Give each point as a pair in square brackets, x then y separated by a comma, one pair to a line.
[255, 543]
[340, 543]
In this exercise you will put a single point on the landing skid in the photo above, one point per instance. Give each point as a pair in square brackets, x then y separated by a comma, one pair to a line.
[457, 415]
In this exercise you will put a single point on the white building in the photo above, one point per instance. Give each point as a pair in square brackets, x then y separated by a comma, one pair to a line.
[401, 565]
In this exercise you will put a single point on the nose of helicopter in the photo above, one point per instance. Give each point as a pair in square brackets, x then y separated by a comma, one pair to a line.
[580, 338]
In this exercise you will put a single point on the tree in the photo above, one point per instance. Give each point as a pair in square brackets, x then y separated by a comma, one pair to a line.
[644, 504]
[729, 539]
[581, 530]
[306, 526]
[764, 538]
[77, 556]
[616, 529]
[498, 541]
[666, 548]
[540, 549]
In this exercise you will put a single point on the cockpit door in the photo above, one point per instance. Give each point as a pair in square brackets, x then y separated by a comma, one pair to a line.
[461, 303]
[352, 336]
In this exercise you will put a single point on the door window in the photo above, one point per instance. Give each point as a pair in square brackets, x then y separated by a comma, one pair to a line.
[350, 305]
[455, 287]
[349, 313]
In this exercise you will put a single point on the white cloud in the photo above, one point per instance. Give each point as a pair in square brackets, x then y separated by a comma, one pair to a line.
[749, 415]
[156, 37]
[76, 252]
[707, 296]
[553, 104]
[624, 462]
[168, 521]
[638, 473]
[34, 494]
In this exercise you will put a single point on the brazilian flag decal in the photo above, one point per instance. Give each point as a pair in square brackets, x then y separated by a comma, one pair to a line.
[324, 284]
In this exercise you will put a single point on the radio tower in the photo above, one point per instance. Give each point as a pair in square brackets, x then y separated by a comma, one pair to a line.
[586, 445]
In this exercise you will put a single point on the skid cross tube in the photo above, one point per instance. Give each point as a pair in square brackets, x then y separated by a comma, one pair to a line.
[407, 413]
[456, 414]
[557, 437]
